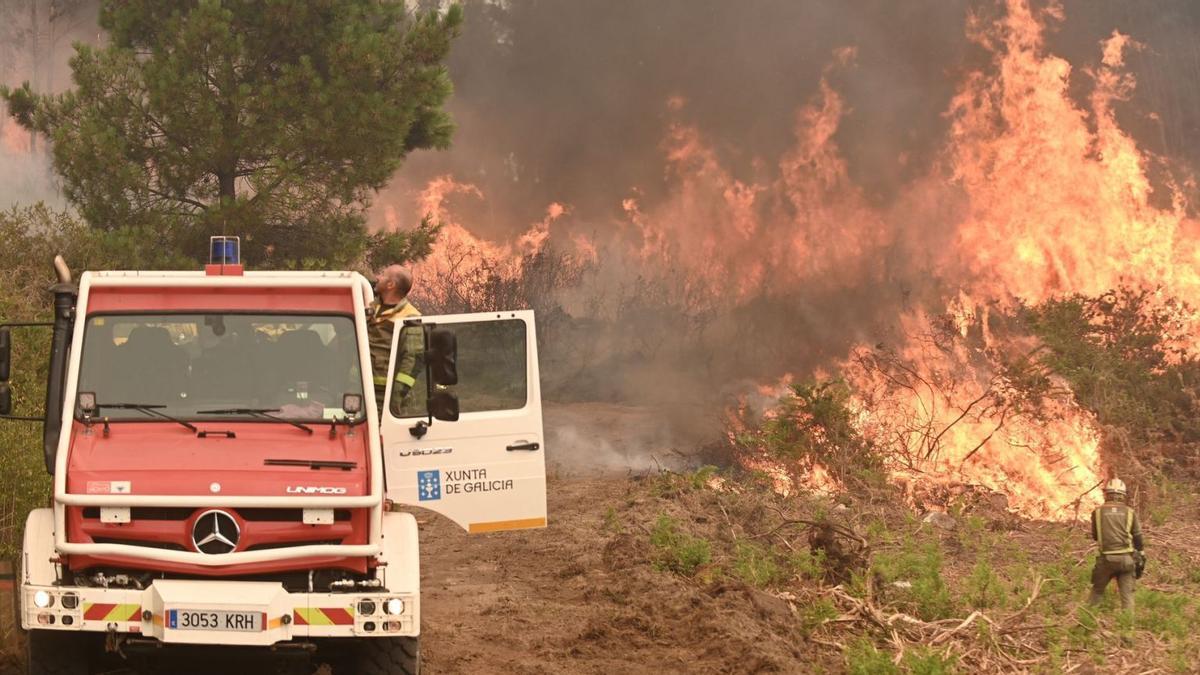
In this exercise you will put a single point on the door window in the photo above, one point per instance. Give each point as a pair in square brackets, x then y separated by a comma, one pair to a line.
[492, 369]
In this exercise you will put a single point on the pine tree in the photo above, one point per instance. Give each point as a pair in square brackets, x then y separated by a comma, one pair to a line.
[272, 119]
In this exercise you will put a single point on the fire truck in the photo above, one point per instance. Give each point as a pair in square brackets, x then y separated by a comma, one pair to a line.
[222, 475]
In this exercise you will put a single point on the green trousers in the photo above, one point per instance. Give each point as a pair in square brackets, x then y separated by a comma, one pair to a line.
[1108, 567]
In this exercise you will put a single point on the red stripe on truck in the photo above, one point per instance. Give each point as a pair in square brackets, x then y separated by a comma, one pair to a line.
[338, 615]
[98, 612]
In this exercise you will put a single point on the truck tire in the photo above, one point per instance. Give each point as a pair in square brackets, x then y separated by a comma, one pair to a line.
[49, 652]
[389, 656]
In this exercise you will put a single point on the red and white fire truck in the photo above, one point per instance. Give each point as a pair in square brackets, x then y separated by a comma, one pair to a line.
[222, 476]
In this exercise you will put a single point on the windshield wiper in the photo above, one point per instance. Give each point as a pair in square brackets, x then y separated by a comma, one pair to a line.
[149, 409]
[312, 463]
[256, 412]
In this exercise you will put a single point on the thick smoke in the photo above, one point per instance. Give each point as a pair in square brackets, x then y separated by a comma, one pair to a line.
[567, 102]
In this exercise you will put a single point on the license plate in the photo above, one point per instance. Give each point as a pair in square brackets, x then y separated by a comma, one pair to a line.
[216, 619]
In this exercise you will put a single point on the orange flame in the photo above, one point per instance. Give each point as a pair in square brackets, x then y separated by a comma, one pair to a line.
[944, 414]
[462, 264]
[1053, 206]
[811, 225]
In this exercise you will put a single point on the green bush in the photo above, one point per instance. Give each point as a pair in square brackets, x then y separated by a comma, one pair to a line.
[862, 658]
[814, 614]
[921, 661]
[1124, 355]
[814, 425]
[678, 551]
[756, 565]
[1166, 614]
[918, 564]
[808, 564]
[984, 589]
[700, 477]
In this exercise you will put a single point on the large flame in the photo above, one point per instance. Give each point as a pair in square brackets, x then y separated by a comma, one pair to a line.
[466, 269]
[811, 225]
[1056, 206]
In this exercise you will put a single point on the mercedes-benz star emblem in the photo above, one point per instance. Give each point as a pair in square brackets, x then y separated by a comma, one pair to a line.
[215, 532]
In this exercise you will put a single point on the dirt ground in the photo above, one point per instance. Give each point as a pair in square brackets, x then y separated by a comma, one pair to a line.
[559, 600]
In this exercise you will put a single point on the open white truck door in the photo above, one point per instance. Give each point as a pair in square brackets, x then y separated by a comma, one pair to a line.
[485, 471]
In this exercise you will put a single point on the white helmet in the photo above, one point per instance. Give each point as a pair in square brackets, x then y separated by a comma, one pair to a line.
[1115, 486]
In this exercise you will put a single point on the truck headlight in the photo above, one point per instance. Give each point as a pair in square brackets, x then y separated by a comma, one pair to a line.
[43, 599]
[394, 606]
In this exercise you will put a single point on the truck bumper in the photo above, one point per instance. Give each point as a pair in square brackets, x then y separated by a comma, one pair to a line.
[281, 616]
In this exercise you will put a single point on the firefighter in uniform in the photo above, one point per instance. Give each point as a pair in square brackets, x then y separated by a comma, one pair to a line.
[390, 306]
[1118, 536]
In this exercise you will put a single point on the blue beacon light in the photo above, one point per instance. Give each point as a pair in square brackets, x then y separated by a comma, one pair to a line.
[225, 250]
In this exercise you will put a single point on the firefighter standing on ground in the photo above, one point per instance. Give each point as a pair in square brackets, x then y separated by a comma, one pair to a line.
[391, 305]
[1118, 536]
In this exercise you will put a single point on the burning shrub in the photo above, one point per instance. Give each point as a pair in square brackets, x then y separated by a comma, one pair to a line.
[959, 404]
[811, 441]
[472, 282]
[1127, 356]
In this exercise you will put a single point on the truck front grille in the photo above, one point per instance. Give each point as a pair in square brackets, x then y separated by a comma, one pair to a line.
[171, 528]
[165, 545]
[184, 513]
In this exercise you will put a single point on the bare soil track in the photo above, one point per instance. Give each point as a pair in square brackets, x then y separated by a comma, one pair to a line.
[579, 598]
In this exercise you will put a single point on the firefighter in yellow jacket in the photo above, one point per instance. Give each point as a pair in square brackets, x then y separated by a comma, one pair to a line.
[391, 305]
[1118, 536]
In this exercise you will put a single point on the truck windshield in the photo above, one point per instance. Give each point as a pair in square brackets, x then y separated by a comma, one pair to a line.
[299, 365]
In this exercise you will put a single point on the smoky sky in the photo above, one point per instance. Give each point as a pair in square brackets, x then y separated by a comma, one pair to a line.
[567, 101]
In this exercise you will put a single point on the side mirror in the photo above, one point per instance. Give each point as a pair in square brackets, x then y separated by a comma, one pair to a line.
[6, 399]
[352, 404]
[87, 403]
[443, 358]
[443, 406]
[5, 353]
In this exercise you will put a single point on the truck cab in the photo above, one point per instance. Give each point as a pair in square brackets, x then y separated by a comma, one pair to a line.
[222, 475]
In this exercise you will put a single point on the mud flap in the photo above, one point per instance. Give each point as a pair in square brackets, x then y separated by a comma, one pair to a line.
[487, 470]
